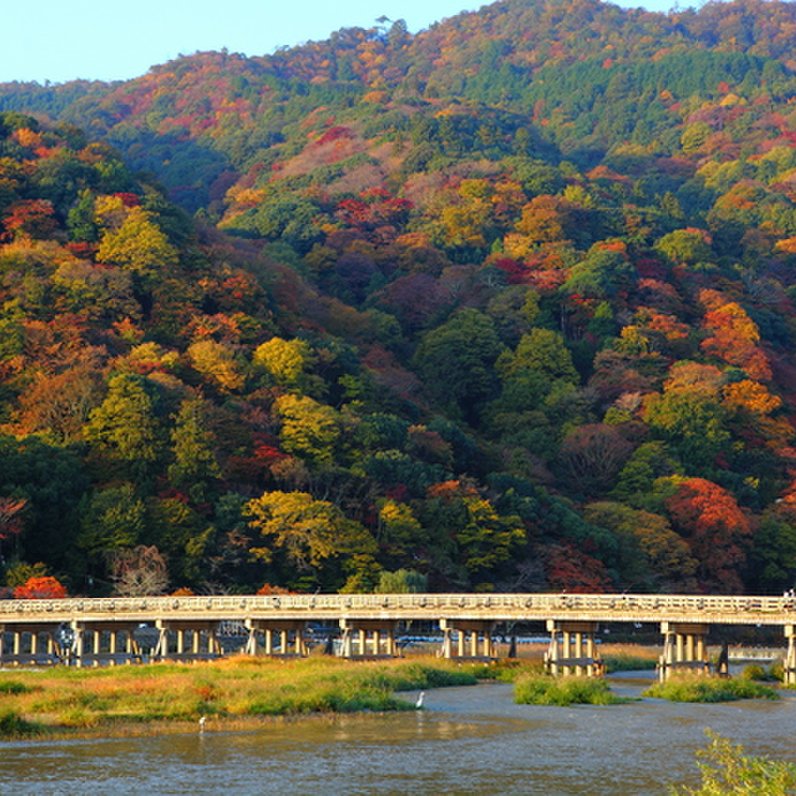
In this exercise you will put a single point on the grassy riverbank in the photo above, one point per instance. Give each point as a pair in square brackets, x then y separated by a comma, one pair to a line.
[227, 692]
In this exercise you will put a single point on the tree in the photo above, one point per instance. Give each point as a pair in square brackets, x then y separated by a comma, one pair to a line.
[40, 588]
[139, 571]
[542, 352]
[717, 531]
[651, 556]
[111, 519]
[309, 429]
[456, 361]
[308, 532]
[285, 360]
[195, 463]
[402, 581]
[593, 455]
[138, 245]
[217, 363]
[124, 425]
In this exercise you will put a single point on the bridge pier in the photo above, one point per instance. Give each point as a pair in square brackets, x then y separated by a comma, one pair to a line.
[572, 649]
[789, 664]
[31, 652]
[291, 634]
[162, 650]
[359, 634]
[468, 631]
[88, 645]
[684, 648]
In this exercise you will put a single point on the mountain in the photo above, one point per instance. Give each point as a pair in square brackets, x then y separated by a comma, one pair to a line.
[507, 303]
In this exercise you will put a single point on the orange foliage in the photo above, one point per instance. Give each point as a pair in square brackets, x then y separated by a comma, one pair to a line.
[41, 588]
[750, 396]
[448, 490]
[735, 336]
[267, 589]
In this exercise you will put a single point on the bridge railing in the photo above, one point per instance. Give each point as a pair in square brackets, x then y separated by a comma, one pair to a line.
[435, 604]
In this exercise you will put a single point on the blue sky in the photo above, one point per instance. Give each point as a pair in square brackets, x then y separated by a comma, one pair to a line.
[61, 40]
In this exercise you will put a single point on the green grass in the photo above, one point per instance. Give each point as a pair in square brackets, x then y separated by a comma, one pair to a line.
[13, 687]
[535, 689]
[700, 688]
[12, 725]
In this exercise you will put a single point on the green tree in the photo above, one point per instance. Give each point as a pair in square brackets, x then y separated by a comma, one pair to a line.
[309, 429]
[456, 361]
[402, 581]
[124, 426]
[111, 519]
[195, 463]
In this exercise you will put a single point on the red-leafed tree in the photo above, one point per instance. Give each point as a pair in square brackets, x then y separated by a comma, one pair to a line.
[717, 530]
[41, 588]
[572, 570]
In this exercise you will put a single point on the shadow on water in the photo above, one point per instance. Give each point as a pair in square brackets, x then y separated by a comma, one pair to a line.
[467, 741]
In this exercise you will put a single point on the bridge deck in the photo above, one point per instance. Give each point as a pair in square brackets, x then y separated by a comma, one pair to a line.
[677, 608]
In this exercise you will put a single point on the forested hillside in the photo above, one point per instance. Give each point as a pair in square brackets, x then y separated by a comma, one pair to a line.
[507, 304]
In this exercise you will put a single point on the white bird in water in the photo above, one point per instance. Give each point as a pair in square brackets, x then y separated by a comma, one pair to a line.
[202, 723]
[419, 703]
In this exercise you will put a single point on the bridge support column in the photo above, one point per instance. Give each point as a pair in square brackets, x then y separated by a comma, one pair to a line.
[379, 632]
[291, 634]
[179, 627]
[789, 666]
[468, 630]
[572, 649]
[684, 649]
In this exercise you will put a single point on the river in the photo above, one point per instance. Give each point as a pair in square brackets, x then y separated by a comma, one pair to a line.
[472, 740]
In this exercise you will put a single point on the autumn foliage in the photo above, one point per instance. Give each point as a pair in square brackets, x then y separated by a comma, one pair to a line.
[40, 588]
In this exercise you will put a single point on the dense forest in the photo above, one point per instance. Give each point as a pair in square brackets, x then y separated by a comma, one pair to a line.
[507, 304]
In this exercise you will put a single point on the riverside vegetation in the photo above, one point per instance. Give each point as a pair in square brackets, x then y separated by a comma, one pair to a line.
[699, 688]
[231, 691]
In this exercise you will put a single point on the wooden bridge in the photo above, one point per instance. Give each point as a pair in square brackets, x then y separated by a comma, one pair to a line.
[85, 631]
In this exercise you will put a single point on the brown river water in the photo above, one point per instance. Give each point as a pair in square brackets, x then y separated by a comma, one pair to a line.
[472, 740]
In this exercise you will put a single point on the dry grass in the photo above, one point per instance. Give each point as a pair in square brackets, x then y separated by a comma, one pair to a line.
[236, 689]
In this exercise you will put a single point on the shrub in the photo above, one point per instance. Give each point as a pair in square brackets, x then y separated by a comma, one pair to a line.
[727, 770]
[696, 688]
[545, 690]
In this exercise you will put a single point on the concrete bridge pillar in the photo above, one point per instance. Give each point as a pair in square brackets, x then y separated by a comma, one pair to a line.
[572, 649]
[291, 633]
[789, 666]
[684, 649]
[178, 628]
[468, 630]
[378, 634]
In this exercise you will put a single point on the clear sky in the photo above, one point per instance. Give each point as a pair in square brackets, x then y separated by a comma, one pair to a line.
[61, 40]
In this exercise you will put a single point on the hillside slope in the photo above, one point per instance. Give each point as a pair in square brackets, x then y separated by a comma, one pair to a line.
[508, 303]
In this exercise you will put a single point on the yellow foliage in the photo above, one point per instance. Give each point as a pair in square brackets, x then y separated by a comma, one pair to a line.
[216, 362]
